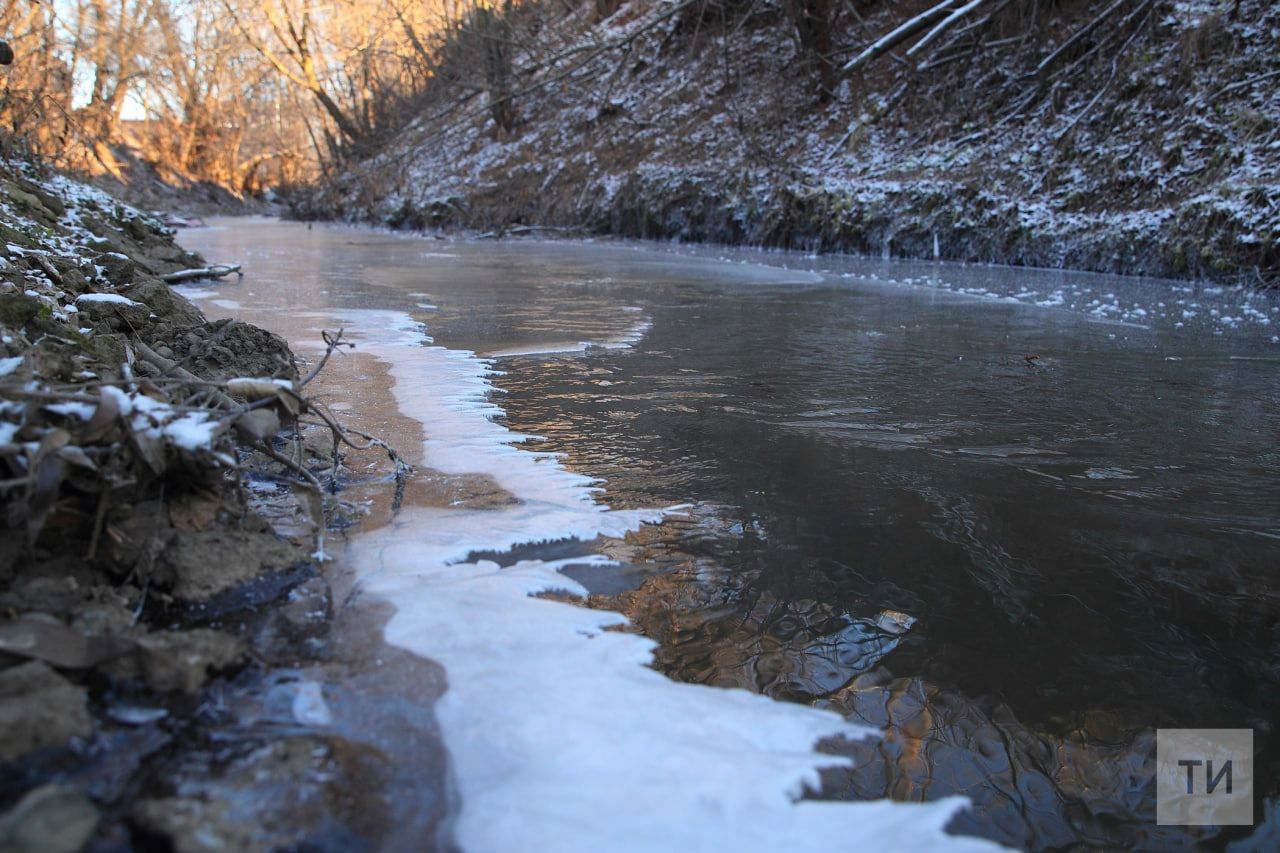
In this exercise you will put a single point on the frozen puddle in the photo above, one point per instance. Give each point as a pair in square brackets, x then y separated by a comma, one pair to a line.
[562, 737]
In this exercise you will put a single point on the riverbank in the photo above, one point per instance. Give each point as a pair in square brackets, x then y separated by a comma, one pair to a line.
[169, 647]
[1152, 160]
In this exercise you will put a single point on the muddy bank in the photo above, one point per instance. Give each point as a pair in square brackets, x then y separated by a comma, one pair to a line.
[176, 664]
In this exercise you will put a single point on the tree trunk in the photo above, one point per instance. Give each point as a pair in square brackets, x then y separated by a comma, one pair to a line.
[813, 20]
[495, 32]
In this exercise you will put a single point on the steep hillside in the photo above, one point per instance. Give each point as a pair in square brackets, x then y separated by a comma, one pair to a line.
[1136, 136]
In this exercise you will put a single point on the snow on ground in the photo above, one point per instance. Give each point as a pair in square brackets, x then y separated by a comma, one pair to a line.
[70, 245]
[1162, 165]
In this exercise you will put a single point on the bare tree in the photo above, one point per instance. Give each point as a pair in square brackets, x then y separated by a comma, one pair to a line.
[493, 29]
[814, 21]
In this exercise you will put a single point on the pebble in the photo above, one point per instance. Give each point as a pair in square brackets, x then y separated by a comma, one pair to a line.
[309, 707]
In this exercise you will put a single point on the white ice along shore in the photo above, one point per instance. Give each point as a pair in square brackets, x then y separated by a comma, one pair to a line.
[562, 738]
[622, 341]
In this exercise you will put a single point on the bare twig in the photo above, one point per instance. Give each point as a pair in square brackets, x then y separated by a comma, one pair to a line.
[169, 367]
[1240, 84]
[307, 482]
[1062, 49]
[332, 342]
[345, 432]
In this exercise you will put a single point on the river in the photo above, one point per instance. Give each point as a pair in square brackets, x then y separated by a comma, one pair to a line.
[1012, 520]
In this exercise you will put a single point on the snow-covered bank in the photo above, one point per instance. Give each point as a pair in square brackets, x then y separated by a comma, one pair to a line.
[1157, 161]
[562, 737]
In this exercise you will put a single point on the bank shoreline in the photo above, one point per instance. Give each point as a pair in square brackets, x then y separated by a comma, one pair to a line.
[177, 667]
[1157, 161]
[901, 220]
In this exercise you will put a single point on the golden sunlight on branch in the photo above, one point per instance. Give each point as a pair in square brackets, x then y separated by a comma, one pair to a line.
[244, 94]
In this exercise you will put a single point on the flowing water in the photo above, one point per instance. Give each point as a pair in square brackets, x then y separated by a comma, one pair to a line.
[1016, 520]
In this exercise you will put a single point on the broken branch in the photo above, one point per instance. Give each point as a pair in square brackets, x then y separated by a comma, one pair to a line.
[897, 36]
[215, 271]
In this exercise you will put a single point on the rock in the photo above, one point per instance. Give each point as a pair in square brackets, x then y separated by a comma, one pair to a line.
[42, 592]
[314, 793]
[318, 443]
[106, 617]
[117, 268]
[109, 348]
[16, 309]
[100, 243]
[113, 306]
[137, 228]
[17, 238]
[73, 280]
[169, 306]
[184, 660]
[42, 637]
[146, 368]
[49, 819]
[198, 565]
[28, 201]
[48, 199]
[39, 708]
[171, 254]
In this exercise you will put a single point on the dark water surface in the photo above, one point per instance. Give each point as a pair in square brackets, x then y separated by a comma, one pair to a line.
[1021, 536]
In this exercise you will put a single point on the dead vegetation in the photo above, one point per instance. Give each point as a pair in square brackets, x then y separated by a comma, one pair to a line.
[1134, 136]
[76, 448]
[159, 474]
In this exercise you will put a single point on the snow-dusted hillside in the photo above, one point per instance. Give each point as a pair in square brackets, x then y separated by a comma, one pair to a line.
[1155, 149]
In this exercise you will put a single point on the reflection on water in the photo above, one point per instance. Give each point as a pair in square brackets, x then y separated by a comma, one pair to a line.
[1090, 784]
[1084, 779]
[1017, 536]
[720, 623]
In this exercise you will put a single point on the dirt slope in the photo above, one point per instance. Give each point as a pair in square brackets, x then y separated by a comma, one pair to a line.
[1152, 145]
